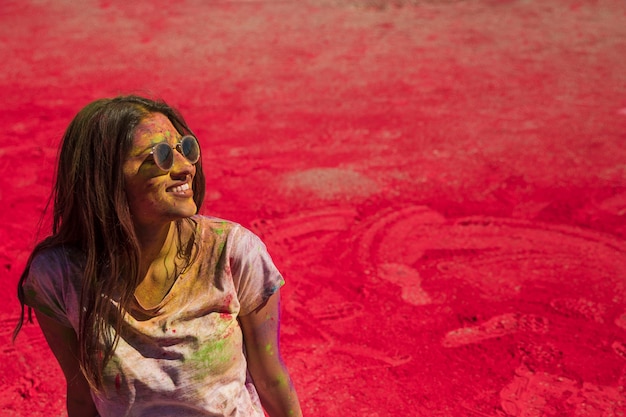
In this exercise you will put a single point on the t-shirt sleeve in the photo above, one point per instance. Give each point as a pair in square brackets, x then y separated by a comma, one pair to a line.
[255, 276]
[44, 287]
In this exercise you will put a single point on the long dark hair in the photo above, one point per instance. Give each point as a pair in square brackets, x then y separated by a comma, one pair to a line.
[90, 211]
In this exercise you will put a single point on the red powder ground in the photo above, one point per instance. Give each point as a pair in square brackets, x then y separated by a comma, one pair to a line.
[443, 184]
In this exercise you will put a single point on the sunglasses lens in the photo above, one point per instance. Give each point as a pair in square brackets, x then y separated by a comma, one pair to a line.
[163, 156]
[190, 149]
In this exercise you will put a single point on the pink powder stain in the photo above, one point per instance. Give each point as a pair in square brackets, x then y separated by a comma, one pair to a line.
[531, 393]
[619, 348]
[228, 266]
[227, 301]
[456, 186]
[621, 321]
[497, 326]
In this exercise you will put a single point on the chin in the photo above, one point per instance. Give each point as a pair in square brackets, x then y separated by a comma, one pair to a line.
[187, 212]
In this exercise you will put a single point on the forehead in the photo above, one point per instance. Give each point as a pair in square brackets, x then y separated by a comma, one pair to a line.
[153, 129]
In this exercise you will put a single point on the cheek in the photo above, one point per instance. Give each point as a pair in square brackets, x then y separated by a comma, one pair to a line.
[141, 183]
[143, 196]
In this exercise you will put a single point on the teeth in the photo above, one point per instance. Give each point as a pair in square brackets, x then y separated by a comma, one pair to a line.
[180, 188]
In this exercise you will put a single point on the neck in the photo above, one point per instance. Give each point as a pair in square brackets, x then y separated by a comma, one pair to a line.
[158, 269]
[155, 242]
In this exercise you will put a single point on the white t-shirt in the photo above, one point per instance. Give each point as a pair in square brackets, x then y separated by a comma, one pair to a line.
[185, 356]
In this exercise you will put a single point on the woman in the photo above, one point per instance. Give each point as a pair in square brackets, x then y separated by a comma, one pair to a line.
[149, 308]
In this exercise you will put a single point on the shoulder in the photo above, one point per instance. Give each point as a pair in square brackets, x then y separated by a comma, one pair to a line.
[61, 257]
[226, 229]
[58, 267]
[53, 281]
[213, 224]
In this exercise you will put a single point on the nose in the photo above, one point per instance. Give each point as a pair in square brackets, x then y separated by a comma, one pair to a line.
[181, 165]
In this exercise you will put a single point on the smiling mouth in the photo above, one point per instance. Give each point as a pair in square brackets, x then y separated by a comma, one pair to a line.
[180, 188]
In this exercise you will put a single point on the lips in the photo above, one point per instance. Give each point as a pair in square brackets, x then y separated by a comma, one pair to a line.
[179, 188]
[183, 190]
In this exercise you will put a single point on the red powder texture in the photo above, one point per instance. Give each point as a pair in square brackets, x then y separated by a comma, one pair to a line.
[442, 183]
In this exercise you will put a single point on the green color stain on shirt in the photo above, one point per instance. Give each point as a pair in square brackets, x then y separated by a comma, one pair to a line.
[213, 355]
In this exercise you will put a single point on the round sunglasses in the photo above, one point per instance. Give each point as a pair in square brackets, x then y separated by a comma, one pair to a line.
[163, 153]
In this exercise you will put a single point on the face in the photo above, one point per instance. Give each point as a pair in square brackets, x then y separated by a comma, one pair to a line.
[157, 197]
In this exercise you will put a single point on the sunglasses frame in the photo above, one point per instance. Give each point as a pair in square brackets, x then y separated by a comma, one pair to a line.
[178, 147]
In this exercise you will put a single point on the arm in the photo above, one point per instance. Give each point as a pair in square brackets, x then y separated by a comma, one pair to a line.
[64, 345]
[270, 376]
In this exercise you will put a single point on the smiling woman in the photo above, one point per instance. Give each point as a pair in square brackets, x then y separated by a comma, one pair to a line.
[151, 309]
[158, 195]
